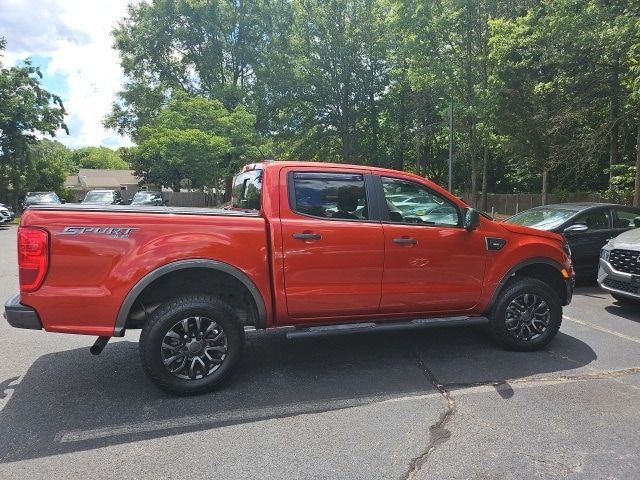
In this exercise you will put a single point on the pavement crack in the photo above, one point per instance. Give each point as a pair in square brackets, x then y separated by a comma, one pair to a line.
[438, 433]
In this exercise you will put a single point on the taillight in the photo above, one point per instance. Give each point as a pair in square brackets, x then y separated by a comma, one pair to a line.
[33, 257]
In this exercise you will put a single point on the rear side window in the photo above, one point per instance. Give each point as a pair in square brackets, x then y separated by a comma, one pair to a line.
[247, 189]
[329, 195]
[627, 218]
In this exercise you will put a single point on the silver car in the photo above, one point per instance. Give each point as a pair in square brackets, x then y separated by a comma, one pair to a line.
[619, 272]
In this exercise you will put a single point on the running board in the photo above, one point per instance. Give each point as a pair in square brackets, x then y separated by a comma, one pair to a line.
[381, 326]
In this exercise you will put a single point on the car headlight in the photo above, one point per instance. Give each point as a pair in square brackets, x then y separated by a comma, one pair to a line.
[604, 254]
[567, 249]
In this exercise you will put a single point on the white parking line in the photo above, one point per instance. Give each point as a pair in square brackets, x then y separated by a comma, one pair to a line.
[603, 329]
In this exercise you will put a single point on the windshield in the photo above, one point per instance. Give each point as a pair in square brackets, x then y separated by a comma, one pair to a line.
[98, 197]
[42, 198]
[147, 198]
[542, 218]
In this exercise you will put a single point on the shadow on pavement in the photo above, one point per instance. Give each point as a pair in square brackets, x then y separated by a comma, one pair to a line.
[629, 310]
[71, 401]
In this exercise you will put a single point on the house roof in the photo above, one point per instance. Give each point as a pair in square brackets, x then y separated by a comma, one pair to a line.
[100, 177]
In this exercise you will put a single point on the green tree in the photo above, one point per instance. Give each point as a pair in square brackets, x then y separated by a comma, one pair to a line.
[98, 157]
[197, 142]
[26, 111]
[50, 163]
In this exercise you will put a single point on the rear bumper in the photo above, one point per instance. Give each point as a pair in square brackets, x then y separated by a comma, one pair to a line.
[620, 283]
[21, 316]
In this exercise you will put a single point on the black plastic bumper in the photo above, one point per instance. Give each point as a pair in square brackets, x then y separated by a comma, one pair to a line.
[21, 316]
[568, 284]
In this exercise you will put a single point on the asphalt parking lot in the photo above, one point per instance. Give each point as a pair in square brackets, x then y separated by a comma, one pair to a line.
[439, 403]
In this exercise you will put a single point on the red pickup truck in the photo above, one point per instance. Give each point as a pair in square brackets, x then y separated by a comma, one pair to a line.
[316, 248]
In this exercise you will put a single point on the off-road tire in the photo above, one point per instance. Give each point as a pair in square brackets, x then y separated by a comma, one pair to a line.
[497, 327]
[161, 321]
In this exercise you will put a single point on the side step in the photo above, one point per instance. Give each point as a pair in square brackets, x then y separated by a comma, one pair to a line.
[379, 326]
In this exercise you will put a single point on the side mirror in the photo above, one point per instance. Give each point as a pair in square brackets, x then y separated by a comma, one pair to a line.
[578, 227]
[471, 219]
[62, 200]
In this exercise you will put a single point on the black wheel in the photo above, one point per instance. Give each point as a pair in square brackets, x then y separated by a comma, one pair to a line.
[190, 344]
[526, 316]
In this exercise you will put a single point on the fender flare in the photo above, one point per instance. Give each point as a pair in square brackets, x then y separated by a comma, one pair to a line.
[525, 263]
[159, 272]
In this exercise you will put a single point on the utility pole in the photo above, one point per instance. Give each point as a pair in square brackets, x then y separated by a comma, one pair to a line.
[451, 143]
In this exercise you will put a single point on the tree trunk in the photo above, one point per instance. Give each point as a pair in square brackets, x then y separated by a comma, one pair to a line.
[614, 114]
[228, 185]
[545, 185]
[636, 191]
[485, 180]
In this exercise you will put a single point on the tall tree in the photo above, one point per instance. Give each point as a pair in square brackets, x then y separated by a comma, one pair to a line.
[26, 111]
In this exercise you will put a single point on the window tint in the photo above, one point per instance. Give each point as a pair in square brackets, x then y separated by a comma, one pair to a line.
[627, 218]
[246, 191]
[409, 202]
[329, 195]
[596, 220]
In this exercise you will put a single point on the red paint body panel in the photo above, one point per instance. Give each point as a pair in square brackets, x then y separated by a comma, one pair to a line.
[90, 274]
[354, 271]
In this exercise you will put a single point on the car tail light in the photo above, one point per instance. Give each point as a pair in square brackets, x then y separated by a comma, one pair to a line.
[33, 257]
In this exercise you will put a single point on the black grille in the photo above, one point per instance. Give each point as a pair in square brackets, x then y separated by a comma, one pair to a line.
[622, 286]
[625, 261]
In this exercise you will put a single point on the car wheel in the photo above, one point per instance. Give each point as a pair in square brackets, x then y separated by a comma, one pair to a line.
[190, 344]
[526, 316]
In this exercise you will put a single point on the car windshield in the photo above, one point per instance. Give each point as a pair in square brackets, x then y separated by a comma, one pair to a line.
[42, 198]
[99, 197]
[542, 218]
[147, 198]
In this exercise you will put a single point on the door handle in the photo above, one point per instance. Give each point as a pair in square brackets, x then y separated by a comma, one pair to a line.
[307, 236]
[405, 241]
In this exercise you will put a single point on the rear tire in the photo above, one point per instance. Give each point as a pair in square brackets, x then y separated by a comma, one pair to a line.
[526, 316]
[190, 344]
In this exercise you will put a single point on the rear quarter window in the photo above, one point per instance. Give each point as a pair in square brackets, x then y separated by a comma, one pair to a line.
[247, 190]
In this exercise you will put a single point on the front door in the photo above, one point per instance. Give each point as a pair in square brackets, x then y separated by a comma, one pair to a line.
[432, 264]
[333, 254]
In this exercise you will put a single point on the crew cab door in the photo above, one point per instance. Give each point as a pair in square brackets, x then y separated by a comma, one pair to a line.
[332, 253]
[432, 264]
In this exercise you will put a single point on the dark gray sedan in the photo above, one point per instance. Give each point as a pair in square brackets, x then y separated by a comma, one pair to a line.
[586, 226]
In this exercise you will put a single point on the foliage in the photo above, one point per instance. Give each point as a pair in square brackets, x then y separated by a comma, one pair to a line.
[98, 157]
[50, 163]
[622, 184]
[537, 85]
[26, 111]
[196, 140]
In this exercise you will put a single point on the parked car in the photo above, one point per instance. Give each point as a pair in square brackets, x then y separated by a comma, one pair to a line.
[586, 226]
[103, 197]
[5, 216]
[619, 272]
[149, 198]
[296, 250]
[41, 198]
[9, 210]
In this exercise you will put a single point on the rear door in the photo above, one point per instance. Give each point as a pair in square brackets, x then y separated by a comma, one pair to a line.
[332, 250]
[585, 246]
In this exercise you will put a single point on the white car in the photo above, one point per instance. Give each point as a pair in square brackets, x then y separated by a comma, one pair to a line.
[619, 272]
[5, 216]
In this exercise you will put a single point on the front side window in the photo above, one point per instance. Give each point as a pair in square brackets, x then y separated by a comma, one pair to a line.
[329, 195]
[410, 202]
[595, 220]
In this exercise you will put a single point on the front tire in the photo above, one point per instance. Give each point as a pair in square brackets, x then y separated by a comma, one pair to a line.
[526, 316]
[190, 344]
